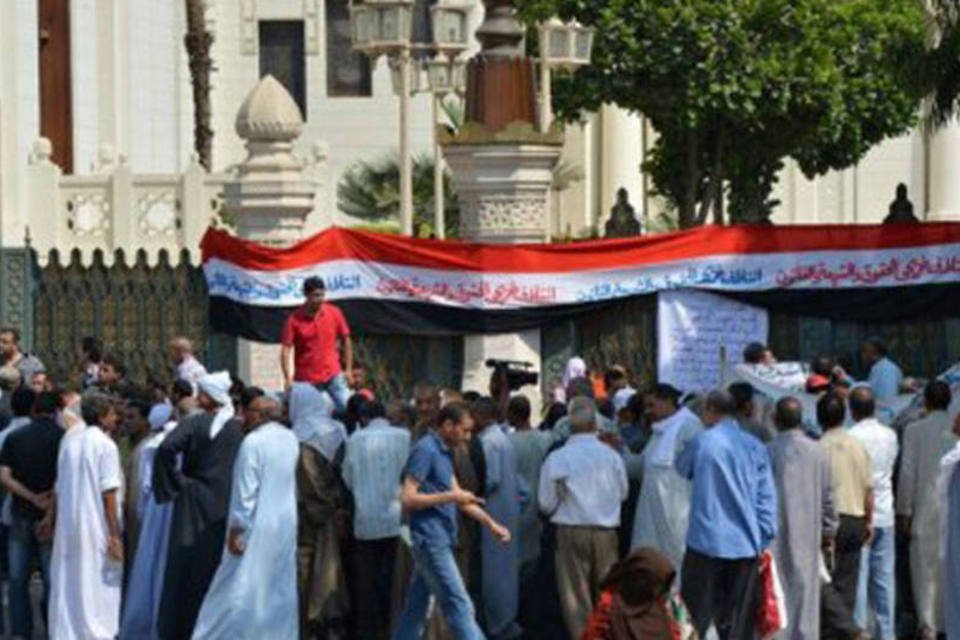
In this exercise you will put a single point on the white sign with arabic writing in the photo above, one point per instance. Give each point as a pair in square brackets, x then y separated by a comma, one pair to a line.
[692, 329]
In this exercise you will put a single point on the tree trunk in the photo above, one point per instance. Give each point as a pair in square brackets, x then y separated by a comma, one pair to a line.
[198, 41]
[687, 212]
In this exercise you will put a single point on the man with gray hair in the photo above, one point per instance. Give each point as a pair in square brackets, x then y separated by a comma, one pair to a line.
[582, 485]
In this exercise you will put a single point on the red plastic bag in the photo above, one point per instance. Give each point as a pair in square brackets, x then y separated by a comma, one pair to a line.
[771, 617]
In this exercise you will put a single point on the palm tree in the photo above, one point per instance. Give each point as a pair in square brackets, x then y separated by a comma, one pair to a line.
[370, 191]
[197, 42]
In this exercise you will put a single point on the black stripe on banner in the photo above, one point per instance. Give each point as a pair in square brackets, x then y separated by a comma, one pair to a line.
[874, 305]
[880, 305]
[265, 324]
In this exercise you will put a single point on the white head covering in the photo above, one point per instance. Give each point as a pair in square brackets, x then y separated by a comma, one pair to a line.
[576, 368]
[311, 414]
[217, 386]
[159, 416]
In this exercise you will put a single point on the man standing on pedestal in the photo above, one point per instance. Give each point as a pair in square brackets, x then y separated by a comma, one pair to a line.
[310, 350]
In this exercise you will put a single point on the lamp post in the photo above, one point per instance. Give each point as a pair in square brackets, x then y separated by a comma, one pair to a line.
[566, 46]
[384, 27]
[443, 78]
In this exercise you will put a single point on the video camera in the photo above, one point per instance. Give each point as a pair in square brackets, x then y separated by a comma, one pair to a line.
[518, 374]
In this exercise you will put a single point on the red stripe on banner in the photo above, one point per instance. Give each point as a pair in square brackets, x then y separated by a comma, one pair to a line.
[339, 244]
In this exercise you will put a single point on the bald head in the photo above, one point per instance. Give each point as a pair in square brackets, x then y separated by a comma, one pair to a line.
[179, 347]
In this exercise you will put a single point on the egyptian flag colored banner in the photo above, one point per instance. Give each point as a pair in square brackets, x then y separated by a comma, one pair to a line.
[394, 284]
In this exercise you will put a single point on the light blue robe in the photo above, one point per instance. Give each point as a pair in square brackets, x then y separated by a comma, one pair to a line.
[254, 595]
[505, 495]
[145, 584]
[530, 447]
[950, 553]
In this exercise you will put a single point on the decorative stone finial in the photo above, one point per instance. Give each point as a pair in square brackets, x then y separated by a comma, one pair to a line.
[269, 113]
[269, 197]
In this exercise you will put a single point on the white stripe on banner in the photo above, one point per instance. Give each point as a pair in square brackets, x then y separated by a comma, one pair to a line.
[357, 279]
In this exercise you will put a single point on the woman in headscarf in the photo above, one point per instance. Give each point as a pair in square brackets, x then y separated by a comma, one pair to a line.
[322, 505]
[636, 602]
[576, 368]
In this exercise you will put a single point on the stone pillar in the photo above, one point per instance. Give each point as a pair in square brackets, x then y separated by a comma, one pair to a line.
[944, 163]
[268, 199]
[622, 154]
[502, 171]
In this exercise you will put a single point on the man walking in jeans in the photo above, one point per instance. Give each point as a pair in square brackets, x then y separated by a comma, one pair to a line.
[28, 470]
[876, 586]
[310, 349]
[431, 496]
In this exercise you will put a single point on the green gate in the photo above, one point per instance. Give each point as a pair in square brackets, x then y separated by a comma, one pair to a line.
[134, 311]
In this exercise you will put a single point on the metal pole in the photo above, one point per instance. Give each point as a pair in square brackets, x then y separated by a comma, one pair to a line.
[546, 91]
[438, 205]
[406, 159]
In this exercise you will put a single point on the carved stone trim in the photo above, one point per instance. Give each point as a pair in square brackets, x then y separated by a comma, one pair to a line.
[504, 215]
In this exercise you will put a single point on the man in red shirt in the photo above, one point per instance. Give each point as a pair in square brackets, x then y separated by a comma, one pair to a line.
[311, 339]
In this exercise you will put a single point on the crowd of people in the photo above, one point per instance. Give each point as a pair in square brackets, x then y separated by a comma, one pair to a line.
[204, 508]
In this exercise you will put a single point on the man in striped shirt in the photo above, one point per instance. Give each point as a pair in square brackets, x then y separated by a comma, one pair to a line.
[372, 466]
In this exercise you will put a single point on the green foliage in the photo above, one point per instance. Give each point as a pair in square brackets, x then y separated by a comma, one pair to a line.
[371, 191]
[937, 72]
[734, 87]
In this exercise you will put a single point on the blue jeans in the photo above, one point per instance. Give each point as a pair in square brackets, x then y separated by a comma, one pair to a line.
[876, 586]
[436, 574]
[338, 390]
[25, 551]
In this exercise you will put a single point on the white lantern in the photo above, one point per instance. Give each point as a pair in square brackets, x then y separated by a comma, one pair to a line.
[450, 27]
[381, 26]
[565, 45]
[363, 20]
[446, 77]
[582, 43]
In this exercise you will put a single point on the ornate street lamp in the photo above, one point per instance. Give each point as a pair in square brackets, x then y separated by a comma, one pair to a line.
[566, 46]
[384, 27]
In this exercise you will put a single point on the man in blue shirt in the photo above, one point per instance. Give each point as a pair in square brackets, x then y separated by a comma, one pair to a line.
[431, 496]
[885, 376]
[733, 518]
